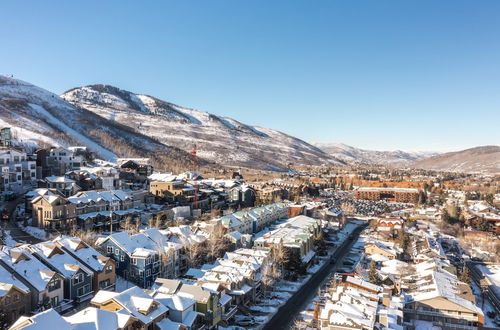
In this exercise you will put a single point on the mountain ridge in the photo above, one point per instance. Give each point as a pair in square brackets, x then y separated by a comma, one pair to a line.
[220, 139]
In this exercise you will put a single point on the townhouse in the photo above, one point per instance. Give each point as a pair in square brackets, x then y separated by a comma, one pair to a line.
[138, 258]
[103, 268]
[206, 302]
[95, 209]
[254, 219]
[437, 297]
[63, 185]
[15, 297]
[78, 279]
[45, 284]
[50, 211]
[134, 303]
[296, 236]
[16, 169]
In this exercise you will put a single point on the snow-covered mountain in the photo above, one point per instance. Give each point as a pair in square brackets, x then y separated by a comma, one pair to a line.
[219, 139]
[484, 159]
[38, 117]
[351, 154]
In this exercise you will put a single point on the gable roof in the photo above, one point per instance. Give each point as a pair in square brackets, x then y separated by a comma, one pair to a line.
[28, 267]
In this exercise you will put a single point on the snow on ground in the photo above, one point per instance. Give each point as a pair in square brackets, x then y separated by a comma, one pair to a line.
[36, 232]
[484, 305]
[108, 155]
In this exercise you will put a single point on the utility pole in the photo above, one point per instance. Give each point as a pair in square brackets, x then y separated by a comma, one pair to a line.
[110, 222]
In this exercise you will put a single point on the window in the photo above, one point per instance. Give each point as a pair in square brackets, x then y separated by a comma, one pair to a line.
[117, 252]
[109, 269]
[148, 273]
[16, 297]
[78, 279]
[104, 284]
[54, 284]
[109, 249]
[54, 301]
[7, 300]
[122, 258]
[134, 261]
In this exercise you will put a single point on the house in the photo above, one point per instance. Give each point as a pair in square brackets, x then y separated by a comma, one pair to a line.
[376, 247]
[67, 158]
[109, 176]
[45, 285]
[134, 302]
[206, 301]
[16, 169]
[77, 278]
[15, 297]
[393, 225]
[49, 319]
[94, 209]
[53, 212]
[103, 268]
[181, 309]
[435, 295]
[63, 185]
[85, 180]
[138, 258]
[92, 318]
[243, 195]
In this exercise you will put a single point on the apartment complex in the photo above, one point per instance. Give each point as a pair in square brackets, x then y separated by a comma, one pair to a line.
[401, 195]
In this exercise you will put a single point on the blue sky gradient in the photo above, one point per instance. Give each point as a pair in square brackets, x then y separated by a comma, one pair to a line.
[411, 75]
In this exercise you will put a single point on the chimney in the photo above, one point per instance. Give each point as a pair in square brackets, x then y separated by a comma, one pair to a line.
[386, 297]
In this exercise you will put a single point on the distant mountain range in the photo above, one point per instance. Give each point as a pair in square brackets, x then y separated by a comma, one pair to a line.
[118, 123]
[485, 159]
[351, 154]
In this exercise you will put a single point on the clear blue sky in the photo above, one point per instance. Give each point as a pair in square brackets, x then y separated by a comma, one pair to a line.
[412, 75]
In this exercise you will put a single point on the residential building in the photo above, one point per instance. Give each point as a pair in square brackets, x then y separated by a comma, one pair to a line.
[401, 195]
[77, 278]
[53, 212]
[45, 284]
[138, 258]
[135, 303]
[436, 296]
[103, 268]
[15, 297]
[16, 169]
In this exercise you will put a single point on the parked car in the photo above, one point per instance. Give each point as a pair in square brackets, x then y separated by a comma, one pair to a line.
[5, 214]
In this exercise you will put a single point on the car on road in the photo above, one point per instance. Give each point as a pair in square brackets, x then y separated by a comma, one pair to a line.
[5, 214]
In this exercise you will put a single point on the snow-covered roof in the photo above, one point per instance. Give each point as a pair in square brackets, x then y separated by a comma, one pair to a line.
[136, 302]
[48, 319]
[7, 280]
[83, 252]
[65, 264]
[92, 318]
[28, 267]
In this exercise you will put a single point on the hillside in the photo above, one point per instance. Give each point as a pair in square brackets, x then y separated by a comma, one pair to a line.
[219, 139]
[351, 154]
[485, 159]
[39, 117]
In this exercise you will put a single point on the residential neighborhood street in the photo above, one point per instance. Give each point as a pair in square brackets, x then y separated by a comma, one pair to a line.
[10, 226]
[287, 313]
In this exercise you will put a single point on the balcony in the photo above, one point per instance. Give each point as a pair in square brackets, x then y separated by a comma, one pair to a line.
[444, 314]
[230, 313]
